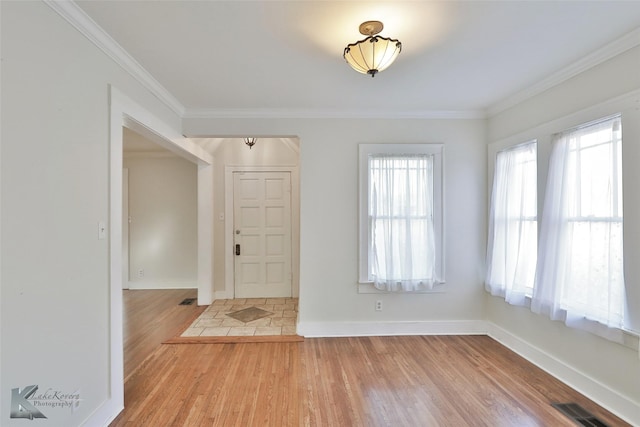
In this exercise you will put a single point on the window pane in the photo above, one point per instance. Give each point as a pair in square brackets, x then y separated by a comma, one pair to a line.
[513, 227]
[595, 165]
[594, 283]
[580, 272]
[402, 253]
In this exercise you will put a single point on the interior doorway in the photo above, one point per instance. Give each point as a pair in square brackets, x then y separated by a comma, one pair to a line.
[125, 113]
[159, 220]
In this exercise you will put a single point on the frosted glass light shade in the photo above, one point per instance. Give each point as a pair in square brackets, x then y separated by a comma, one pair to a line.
[372, 55]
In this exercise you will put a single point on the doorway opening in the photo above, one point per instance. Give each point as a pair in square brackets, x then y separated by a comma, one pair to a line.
[125, 113]
[257, 206]
[159, 246]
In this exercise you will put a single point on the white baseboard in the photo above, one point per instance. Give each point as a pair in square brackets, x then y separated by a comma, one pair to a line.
[162, 285]
[358, 329]
[104, 415]
[604, 396]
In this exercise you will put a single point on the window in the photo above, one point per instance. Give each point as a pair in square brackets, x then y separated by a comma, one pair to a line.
[580, 262]
[513, 225]
[401, 216]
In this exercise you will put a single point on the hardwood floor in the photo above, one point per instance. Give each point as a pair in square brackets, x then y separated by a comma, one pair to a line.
[366, 381]
[151, 317]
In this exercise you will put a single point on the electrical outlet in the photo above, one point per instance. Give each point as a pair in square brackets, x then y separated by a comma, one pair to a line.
[378, 305]
[141, 273]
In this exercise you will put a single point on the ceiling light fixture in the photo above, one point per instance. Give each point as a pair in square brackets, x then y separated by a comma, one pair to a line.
[374, 53]
[250, 142]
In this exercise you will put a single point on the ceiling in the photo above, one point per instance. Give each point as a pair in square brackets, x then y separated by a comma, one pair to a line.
[266, 57]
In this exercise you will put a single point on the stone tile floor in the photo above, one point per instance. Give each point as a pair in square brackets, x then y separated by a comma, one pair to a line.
[214, 322]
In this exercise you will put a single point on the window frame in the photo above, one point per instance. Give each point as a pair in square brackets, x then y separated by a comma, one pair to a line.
[502, 292]
[365, 284]
[566, 304]
[626, 106]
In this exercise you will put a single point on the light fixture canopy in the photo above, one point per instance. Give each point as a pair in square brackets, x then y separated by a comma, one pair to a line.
[374, 53]
[250, 142]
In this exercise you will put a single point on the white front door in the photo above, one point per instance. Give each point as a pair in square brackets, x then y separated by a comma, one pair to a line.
[262, 234]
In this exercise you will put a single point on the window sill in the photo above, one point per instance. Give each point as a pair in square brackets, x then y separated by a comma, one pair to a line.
[368, 288]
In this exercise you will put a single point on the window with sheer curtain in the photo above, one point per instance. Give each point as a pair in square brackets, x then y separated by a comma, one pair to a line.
[513, 225]
[580, 277]
[403, 223]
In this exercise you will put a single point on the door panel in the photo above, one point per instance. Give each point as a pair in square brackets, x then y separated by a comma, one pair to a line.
[262, 228]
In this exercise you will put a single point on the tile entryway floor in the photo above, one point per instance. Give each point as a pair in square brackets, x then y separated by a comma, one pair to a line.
[215, 322]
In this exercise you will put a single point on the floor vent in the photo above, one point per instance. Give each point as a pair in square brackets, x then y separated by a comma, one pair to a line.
[188, 301]
[577, 413]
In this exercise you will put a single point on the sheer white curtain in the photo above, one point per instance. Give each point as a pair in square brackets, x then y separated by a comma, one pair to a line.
[513, 227]
[401, 222]
[580, 268]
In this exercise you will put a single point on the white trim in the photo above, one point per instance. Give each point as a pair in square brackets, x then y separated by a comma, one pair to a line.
[126, 113]
[125, 228]
[71, 12]
[369, 288]
[229, 289]
[170, 139]
[629, 105]
[391, 328]
[630, 100]
[600, 393]
[150, 284]
[595, 58]
[205, 234]
[77, 17]
[364, 151]
[98, 36]
[311, 113]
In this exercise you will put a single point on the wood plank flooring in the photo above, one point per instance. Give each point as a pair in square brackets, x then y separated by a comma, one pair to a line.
[366, 381]
[149, 318]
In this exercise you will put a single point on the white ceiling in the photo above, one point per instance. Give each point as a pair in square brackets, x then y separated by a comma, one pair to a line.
[271, 56]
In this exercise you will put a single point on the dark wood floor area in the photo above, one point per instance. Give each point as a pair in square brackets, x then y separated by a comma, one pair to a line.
[151, 317]
[367, 381]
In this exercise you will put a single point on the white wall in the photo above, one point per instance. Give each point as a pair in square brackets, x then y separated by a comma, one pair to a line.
[606, 371]
[55, 190]
[163, 229]
[329, 302]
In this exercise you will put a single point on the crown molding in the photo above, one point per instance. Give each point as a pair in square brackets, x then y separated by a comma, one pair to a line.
[597, 57]
[73, 14]
[331, 114]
